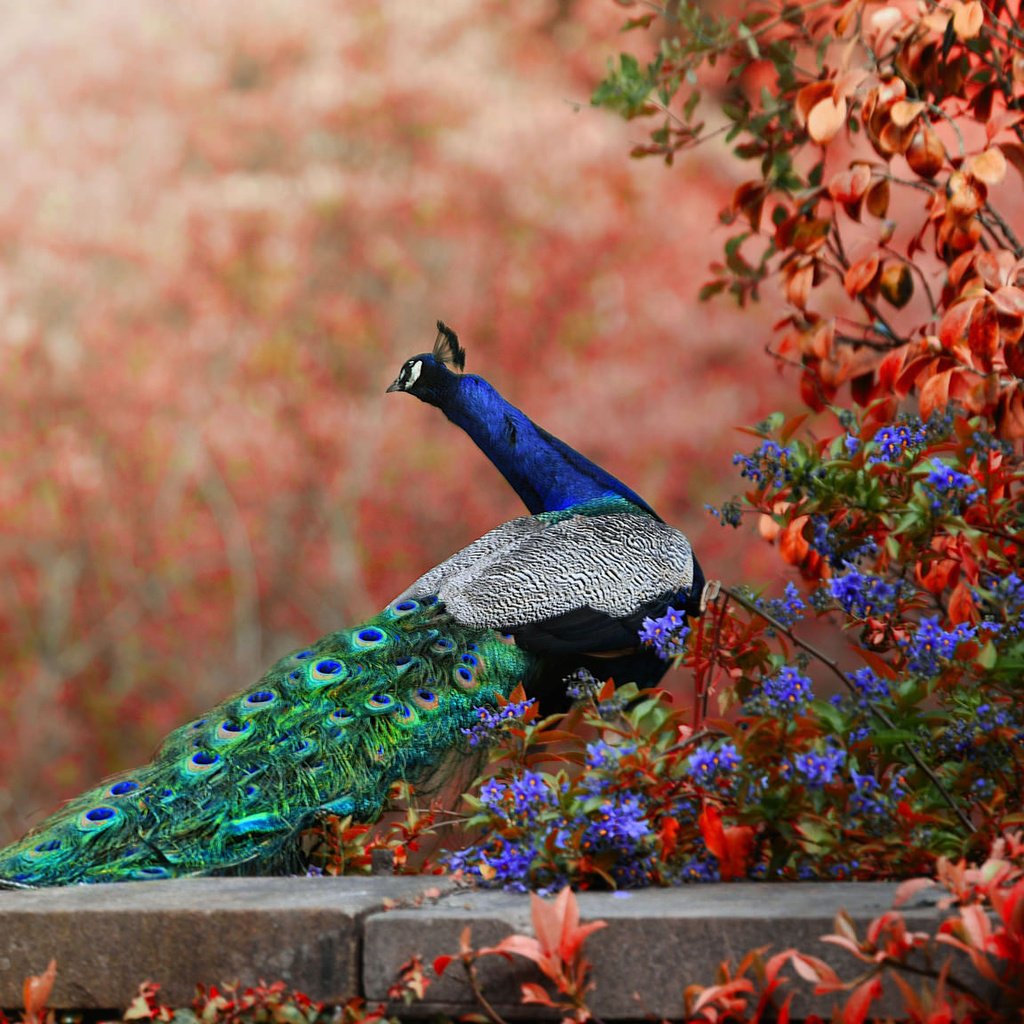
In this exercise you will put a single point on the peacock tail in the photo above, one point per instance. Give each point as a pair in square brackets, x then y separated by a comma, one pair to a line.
[326, 730]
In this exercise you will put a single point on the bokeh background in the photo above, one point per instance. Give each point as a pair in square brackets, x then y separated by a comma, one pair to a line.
[223, 227]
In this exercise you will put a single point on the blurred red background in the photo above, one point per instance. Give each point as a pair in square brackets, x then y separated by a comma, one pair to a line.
[222, 229]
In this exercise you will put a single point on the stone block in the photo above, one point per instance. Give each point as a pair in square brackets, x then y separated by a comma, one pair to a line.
[656, 944]
[109, 938]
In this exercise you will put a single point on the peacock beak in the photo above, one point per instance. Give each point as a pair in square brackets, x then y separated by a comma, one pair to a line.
[395, 385]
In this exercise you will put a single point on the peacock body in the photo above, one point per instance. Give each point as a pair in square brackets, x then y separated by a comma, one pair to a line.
[329, 728]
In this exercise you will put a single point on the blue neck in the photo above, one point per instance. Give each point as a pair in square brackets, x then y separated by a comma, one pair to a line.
[545, 472]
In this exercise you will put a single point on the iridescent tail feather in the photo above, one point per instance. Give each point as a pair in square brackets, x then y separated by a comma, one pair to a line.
[326, 730]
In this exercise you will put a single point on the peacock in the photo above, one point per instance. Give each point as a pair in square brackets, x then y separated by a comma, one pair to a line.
[330, 727]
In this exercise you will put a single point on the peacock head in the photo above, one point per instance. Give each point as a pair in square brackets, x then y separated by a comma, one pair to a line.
[427, 375]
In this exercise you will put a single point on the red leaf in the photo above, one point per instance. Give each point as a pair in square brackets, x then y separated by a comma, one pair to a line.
[856, 1009]
[934, 394]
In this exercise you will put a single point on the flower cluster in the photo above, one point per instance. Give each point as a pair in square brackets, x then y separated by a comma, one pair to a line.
[667, 635]
[818, 770]
[863, 594]
[869, 686]
[893, 442]
[946, 488]
[787, 690]
[931, 648]
[768, 464]
[708, 764]
[837, 548]
[491, 721]
[788, 609]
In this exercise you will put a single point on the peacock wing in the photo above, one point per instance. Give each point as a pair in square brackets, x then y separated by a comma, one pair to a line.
[565, 583]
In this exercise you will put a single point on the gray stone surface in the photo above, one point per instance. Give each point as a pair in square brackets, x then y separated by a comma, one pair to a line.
[108, 938]
[657, 941]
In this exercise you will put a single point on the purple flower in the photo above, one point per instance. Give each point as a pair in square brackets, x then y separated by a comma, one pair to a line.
[851, 444]
[788, 609]
[894, 442]
[706, 764]
[867, 797]
[530, 794]
[931, 648]
[945, 487]
[819, 769]
[787, 690]
[863, 594]
[492, 721]
[869, 685]
[621, 823]
[768, 462]
[666, 635]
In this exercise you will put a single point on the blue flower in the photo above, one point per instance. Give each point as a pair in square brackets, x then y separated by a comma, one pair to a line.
[869, 685]
[492, 795]
[666, 635]
[492, 721]
[946, 488]
[787, 690]
[620, 824]
[867, 797]
[819, 769]
[770, 462]
[851, 444]
[892, 443]
[863, 594]
[788, 609]
[706, 764]
[604, 755]
[931, 648]
[530, 794]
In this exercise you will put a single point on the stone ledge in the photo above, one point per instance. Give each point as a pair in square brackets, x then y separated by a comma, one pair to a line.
[657, 941]
[109, 938]
[332, 938]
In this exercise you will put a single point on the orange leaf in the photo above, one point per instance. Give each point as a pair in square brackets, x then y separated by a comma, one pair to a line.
[36, 993]
[860, 275]
[792, 543]
[905, 112]
[989, 167]
[856, 1009]
[966, 195]
[533, 993]
[967, 18]
[954, 325]
[826, 118]
[983, 329]
[934, 395]
[961, 604]
[810, 96]
[877, 198]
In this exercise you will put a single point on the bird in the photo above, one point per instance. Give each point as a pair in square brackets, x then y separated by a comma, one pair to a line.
[330, 727]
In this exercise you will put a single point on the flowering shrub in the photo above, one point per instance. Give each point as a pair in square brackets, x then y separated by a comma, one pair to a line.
[901, 508]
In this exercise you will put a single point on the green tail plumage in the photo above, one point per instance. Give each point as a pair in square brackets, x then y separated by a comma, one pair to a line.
[326, 730]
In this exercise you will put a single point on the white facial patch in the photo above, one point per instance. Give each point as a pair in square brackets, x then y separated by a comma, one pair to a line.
[414, 373]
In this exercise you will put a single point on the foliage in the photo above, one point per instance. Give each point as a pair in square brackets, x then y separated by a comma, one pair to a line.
[902, 510]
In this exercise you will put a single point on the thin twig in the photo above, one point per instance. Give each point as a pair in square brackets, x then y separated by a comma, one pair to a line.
[478, 993]
[877, 712]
